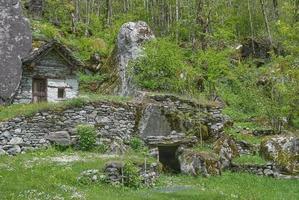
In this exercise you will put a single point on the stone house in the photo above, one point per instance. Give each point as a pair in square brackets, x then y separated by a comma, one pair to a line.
[49, 74]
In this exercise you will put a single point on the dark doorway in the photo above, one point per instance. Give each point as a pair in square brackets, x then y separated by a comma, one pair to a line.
[168, 158]
[39, 90]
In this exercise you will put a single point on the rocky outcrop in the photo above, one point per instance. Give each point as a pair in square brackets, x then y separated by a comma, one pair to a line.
[199, 163]
[15, 43]
[129, 47]
[227, 149]
[163, 114]
[282, 150]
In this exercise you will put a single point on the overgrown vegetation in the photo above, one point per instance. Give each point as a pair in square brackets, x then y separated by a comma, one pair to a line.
[195, 52]
[87, 137]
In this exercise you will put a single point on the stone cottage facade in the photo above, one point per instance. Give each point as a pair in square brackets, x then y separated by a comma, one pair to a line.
[49, 74]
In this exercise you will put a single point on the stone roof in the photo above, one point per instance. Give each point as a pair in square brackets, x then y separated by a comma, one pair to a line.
[44, 49]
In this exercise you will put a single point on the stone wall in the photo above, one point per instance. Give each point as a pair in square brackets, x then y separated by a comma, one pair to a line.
[113, 121]
[23, 133]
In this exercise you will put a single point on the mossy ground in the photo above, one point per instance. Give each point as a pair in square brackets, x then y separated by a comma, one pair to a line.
[50, 174]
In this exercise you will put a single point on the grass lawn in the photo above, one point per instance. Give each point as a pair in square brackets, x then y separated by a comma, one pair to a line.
[250, 159]
[50, 174]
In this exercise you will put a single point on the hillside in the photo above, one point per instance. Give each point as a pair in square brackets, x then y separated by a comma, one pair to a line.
[149, 99]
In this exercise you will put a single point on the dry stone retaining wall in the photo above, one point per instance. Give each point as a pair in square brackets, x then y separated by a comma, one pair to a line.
[113, 121]
[23, 133]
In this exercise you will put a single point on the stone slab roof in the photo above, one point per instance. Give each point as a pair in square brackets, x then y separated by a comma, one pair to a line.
[44, 49]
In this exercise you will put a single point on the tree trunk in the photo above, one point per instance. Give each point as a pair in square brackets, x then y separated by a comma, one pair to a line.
[177, 16]
[266, 22]
[251, 26]
[296, 13]
[109, 12]
[276, 10]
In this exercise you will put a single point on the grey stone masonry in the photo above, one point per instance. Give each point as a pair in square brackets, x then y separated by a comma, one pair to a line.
[113, 121]
[24, 133]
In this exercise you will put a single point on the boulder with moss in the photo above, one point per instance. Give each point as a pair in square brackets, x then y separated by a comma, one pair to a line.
[283, 151]
[199, 163]
[227, 149]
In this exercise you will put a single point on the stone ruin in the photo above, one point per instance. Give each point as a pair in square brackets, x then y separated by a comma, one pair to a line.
[15, 43]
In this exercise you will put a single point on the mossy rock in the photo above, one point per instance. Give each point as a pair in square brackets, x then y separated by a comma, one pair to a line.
[283, 151]
[199, 163]
[230, 142]
[227, 149]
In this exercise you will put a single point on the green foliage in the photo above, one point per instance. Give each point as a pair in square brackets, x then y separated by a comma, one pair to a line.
[136, 144]
[87, 137]
[91, 83]
[163, 68]
[250, 160]
[200, 130]
[132, 176]
[251, 139]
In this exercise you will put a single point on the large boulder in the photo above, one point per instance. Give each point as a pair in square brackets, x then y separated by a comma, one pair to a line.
[199, 163]
[129, 47]
[283, 151]
[15, 43]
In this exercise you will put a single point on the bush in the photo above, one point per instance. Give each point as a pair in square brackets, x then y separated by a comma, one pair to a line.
[136, 143]
[132, 176]
[91, 83]
[87, 137]
[163, 68]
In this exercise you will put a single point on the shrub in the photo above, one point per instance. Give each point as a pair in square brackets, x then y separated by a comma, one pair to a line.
[163, 68]
[87, 137]
[91, 83]
[132, 176]
[136, 143]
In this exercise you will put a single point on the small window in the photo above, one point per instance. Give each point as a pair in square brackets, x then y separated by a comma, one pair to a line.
[61, 93]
